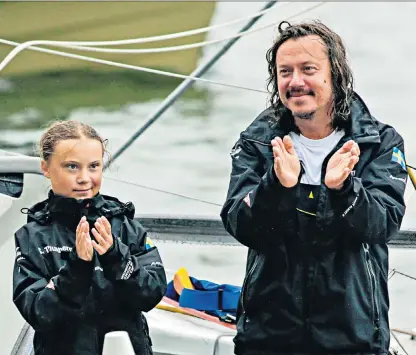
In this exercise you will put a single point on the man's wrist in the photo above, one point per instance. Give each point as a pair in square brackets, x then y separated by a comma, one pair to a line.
[338, 187]
[346, 185]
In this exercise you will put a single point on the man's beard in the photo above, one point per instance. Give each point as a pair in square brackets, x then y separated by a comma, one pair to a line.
[304, 115]
[301, 115]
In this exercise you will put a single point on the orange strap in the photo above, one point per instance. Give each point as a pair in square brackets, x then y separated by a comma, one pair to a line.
[198, 314]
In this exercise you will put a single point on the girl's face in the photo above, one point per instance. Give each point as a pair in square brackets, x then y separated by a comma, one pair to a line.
[75, 168]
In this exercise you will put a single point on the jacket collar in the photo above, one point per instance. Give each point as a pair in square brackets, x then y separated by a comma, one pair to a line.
[58, 204]
[69, 211]
[363, 126]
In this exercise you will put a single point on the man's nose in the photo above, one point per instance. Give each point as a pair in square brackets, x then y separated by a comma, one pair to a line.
[297, 79]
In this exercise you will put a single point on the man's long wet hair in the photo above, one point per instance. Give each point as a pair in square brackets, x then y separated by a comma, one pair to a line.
[341, 74]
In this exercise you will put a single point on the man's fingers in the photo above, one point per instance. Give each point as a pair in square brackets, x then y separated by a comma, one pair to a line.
[278, 165]
[276, 144]
[281, 145]
[344, 158]
[277, 151]
[353, 160]
[288, 145]
[355, 150]
[344, 175]
[336, 181]
[346, 147]
[275, 141]
[349, 144]
[347, 169]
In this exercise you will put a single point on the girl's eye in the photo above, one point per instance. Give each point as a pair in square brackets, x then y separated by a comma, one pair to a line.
[71, 166]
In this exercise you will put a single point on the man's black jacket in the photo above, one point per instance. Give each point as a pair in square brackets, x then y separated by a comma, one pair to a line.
[316, 278]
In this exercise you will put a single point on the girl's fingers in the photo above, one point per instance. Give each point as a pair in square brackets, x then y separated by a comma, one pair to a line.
[98, 236]
[106, 224]
[100, 250]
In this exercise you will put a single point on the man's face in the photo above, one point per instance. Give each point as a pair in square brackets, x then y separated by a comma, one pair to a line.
[304, 76]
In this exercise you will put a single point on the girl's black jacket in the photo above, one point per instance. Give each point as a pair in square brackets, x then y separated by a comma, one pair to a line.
[71, 303]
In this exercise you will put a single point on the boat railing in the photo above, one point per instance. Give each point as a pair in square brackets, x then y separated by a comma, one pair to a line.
[182, 228]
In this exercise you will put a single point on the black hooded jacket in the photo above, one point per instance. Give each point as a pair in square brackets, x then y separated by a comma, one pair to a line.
[88, 299]
[316, 278]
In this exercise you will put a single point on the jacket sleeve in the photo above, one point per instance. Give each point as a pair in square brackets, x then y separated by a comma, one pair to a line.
[45, 308]
[256, 201]
[135, 268]
[372, 206]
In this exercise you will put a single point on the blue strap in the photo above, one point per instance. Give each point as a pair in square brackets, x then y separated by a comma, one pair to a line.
[209, 300]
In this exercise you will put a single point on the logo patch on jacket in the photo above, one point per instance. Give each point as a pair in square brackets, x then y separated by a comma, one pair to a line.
[398, 157]
[149, 243]
[54, 249]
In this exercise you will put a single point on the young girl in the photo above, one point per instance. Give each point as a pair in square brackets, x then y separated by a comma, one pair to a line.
[84, 266]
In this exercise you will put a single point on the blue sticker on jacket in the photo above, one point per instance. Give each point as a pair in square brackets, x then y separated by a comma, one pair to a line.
[398, 157]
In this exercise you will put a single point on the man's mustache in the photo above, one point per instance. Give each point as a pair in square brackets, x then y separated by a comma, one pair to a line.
[299, 92]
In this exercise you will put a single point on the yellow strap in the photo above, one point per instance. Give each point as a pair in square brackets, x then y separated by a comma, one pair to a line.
[310, 213]
[169, 308]
[181, 280]
[412, 176]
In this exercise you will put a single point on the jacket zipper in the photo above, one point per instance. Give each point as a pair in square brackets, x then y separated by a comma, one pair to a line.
[374, 285]
[258, 142]
[250, 272]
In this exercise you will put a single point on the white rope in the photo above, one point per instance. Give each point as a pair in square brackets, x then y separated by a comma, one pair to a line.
[128, 66]
[21, 46]
[136, 51]
[84, 44]
[168, 36]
